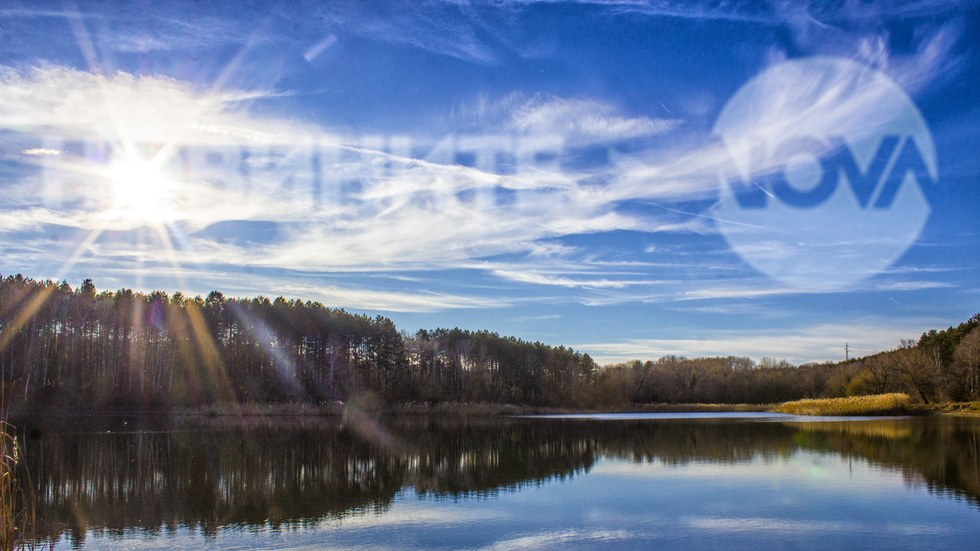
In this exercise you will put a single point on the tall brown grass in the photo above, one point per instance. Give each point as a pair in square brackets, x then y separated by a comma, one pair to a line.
[17, 511]
[877, 404]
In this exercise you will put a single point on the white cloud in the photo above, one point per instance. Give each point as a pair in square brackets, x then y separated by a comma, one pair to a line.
[376, 208]
[536, 318]
[582, 120]
[40, 152]
[317, 49]
[120, 265]
[405, 210]
[388, 301]
[576, 120]
[548, 279]
[558, 539]
[739, 524]
[85, 103]
[730, 291]
[735, 525]
[821, 342]
[913, 285]
[405, 213]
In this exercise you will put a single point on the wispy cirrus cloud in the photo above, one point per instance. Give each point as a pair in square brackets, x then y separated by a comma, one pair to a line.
[481, 31]
[415, 205]
[913, 285]
[388, 301]
[446, 28]
[577, 120]
[586, 120]
[66, 102]
[371, 204]
[561, 281]
[333, 205]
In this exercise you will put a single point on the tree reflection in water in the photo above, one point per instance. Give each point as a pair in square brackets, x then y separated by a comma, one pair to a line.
[157, 476]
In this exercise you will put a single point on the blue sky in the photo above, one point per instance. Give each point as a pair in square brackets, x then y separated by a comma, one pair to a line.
[557, 171]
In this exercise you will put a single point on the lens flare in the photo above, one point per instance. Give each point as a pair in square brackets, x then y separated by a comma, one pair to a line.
[141, 193]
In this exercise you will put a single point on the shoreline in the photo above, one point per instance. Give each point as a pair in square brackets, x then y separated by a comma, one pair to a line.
[338, 409]
[448, 410]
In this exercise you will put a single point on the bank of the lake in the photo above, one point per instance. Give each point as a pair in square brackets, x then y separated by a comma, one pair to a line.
[361, 405]
[878, 404]
[861, 406]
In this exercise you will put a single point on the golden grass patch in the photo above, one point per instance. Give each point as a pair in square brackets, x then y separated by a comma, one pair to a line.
[878, 404]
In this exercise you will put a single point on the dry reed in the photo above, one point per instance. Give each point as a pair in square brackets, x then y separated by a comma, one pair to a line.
[878, 404]
[17, 511]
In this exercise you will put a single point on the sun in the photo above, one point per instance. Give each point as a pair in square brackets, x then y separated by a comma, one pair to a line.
[140, 193]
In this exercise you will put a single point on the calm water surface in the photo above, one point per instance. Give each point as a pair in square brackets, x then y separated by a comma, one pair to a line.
[680, 481]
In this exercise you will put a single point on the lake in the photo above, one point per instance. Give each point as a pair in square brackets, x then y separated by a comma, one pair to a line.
[677, 481]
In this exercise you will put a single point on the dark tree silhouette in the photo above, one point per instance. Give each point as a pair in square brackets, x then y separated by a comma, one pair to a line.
[63, 348]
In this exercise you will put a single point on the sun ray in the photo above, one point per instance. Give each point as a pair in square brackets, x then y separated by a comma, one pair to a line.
[216, 374]
[24, 315]
[78, 252]
[130, 184]
[28, 312]
[168, 249]
[98, 68]
[283, 364]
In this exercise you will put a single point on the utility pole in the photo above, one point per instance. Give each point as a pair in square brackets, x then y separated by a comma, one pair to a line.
[847, 352]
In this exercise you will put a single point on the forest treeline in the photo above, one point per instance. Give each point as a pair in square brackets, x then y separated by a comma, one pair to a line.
[64, 347]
